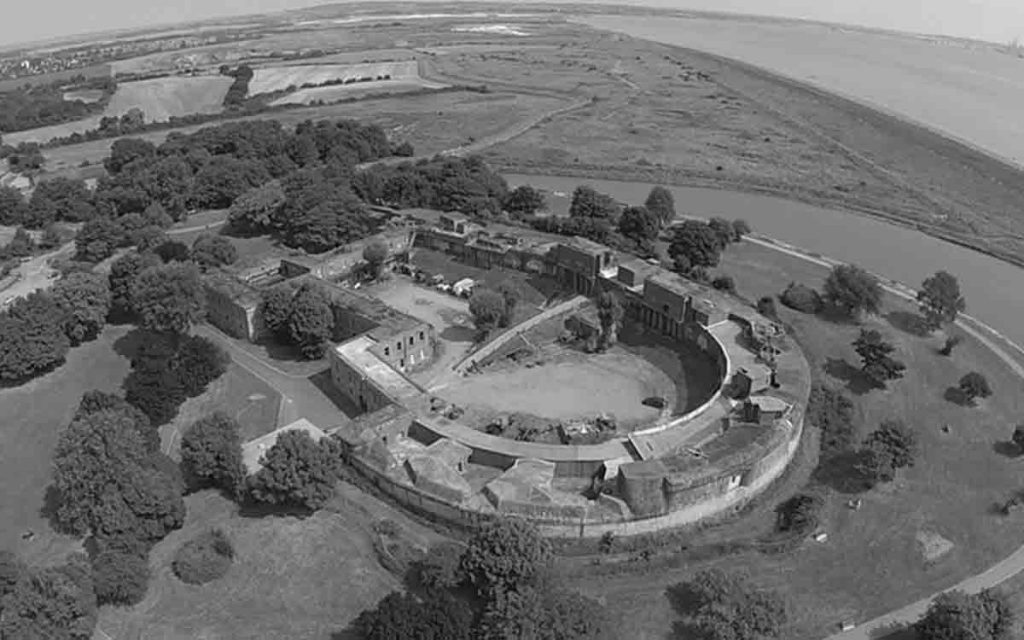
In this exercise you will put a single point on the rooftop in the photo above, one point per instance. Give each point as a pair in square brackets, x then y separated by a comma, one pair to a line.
[673, 282]
[357, 353]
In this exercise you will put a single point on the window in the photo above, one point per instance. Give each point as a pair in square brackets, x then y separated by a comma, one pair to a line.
[664, 308]
[398, 345]
[421, 335]
[387, 351]
[410, 340]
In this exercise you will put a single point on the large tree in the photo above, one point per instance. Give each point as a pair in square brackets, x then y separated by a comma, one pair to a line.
[375, 254]
[487, 308]
[974, 385]
[211, 453]
[255, 210]
[126, 151]
[853, 290]
[297, 472]
[723, 231]
[661, 203]
[403, 616]
[543, 613]
[120, 578]
[275, 307]
[524, 201]
[886, 450]
[310, 321]
[639, 224]
[609, 314]
[32, 338]
[210, 250]
[940, 300]
[197, 362]
[71, 199]
[725, 606]
[955, 615]
[169, 298]
[106, 483]
[590, 203]
[224, 178]
[96, 401]
[51, 602]
[98, 239]
[695, 242]
[84, 300]
[338, 219]
[123, 272]
[505, 555]
[876, 355]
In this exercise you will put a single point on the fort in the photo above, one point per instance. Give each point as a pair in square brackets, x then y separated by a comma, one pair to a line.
[734, 435]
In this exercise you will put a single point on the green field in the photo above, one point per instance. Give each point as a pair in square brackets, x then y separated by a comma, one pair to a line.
[873, 560]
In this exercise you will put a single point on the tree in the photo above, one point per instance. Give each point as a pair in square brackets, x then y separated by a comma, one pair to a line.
[211, 453]
[510, 297]
[84, 301]
[169, 298]
[204, 558]
[876, 356]
[974, 385]
[662, 204]
[487, 308]
[296, 472]
[255, 210]
[339, 219]
[724, 283]
[32, 338]
[275, 307]
[224, 178]
[155, 215]
[725, 606]
[504, 555]
[886, 450]
[310, 321]
[120, 578]
[156, 391]
[70, 199]
[853, 290]
[609, 314]
[723, 231]
[96, 401]
[148, 239]
[940, 300]
[123, 272]
[12, 569]
[173, 251]
[766, 307]
[21, 244]
[375, 254]
[955, 615]
[802, 298]
[696, 242]
[51, 238]
[950, 344]
[440, 568]
[51, 602]
[210, 250]
[126, 151]
[524, 200]
[740, 228]
[12, 206]
[107, 484]
[639, 224]
[1018, 437]
[589, 203]
[197, 362]
[799, 514]
[97, 239]
[403, 616]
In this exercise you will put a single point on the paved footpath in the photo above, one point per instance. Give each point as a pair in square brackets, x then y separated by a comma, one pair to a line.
[1010, 566]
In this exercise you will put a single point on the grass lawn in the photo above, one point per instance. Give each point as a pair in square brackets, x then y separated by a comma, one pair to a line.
[873, 560]
[34, 414]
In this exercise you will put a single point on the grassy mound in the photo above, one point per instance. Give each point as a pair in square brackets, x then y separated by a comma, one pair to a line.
[206, 557]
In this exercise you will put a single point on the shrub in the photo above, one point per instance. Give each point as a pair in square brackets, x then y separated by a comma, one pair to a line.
[724, 283]
[766, 307]
[801, 298]
[799, 514]
[204, 558]
[120, 578]
[832, 412]
[440, 568]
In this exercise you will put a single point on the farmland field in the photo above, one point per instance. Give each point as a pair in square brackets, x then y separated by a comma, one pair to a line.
[158, 99]
[342, 92]
[84, 95]
[268, 79]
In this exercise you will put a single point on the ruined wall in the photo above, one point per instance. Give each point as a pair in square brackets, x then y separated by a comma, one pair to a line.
[230, 316]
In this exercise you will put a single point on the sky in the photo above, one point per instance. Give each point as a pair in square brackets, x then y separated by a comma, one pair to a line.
[995, 20]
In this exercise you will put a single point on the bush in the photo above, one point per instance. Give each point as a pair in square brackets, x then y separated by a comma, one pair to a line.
[766, 307]
[204, 558]
[799, 514]
[440, 568]
[801, 298]
[832, 412]
[120, 578]
[724, 283]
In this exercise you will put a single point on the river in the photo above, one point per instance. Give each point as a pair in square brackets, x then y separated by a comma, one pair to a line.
[994, 289]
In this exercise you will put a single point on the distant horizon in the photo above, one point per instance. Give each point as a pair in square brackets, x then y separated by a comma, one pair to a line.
[861, 14]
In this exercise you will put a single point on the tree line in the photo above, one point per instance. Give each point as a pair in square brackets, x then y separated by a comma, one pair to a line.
[44, 105]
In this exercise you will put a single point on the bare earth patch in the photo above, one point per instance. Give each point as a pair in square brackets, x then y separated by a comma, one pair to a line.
[932, 545]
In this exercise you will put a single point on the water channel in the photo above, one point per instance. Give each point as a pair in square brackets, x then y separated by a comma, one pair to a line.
[994, 289]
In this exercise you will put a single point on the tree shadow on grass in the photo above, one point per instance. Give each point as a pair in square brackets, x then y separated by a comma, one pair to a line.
[908, 322]
[1007, 449]
[839, 472]
[128, 345]
[685, 603]
[282, 352]
[836, 315]
[855, 380]
[253, 509]
[958, 397]
[458, 333]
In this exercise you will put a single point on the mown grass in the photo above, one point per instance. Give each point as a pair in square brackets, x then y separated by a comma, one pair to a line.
[872, 561]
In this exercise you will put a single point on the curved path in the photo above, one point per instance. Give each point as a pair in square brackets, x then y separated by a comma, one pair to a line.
[1010, 566]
